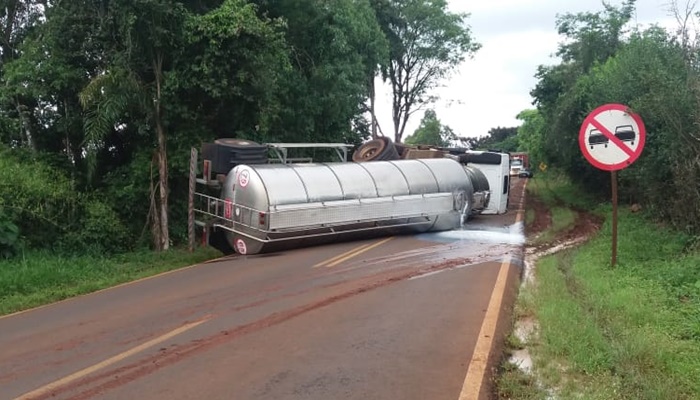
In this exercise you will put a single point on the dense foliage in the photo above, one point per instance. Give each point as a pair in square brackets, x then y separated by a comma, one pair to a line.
[607, 59]
[432, 132]
[499, 139]
[102, 101]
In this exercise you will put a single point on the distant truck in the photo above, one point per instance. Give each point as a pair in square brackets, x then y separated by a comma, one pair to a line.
[518, 161]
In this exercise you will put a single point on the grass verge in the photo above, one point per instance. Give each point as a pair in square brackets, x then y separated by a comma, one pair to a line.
[630, 332]
[41, 278]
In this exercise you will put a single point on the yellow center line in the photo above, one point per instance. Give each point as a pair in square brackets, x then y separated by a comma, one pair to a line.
[350, 254]
[480, 357]
[358, 252]
[354, 249]
[119, 357]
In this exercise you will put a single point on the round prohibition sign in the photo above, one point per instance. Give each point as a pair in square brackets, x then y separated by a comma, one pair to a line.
[612, 137]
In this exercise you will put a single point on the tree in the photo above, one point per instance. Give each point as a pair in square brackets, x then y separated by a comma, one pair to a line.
[148, 36]
[111, 95]
[426, 43]
[530, 134]
[17, 18]
[432, 132]
[499, 138]
[605, 62]
[563, 97]
[593, 37]
[334, 45]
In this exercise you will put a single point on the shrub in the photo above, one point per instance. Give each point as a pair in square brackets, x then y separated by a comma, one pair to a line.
[98, 230]
[9, 236]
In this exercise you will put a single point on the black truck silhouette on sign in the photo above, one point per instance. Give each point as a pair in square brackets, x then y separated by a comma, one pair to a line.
[625, 133]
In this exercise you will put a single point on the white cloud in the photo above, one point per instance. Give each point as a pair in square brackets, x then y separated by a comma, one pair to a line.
[516, 36]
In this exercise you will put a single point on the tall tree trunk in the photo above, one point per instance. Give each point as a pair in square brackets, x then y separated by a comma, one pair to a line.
[372, 97]
[162, 156]
[153, 215]
[397, 124]
[26, 136]
[163, 185]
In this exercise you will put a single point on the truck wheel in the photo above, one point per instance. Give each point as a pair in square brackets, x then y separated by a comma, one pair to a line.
[381, 149]
[369, 151]
[390, 151]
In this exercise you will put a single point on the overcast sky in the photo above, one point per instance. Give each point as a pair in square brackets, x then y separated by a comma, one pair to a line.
[516, 36]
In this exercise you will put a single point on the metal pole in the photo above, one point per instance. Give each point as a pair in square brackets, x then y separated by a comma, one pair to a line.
[190, 202]
[614, 217]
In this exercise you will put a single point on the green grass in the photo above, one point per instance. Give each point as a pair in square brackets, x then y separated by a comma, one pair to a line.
[554, 189]
[512, 383]
[40, 278]
[629, 332]
[529, 217]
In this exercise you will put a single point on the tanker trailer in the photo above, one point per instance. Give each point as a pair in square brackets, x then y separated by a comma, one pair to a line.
[271, 207]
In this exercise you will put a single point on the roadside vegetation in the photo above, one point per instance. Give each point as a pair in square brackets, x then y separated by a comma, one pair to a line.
[39, 278]
[629, 332]
[102, 102]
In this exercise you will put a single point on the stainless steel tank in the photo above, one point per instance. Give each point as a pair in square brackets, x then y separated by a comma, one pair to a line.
[274, 206]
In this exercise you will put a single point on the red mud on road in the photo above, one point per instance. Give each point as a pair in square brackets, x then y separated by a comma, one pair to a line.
[123, 375]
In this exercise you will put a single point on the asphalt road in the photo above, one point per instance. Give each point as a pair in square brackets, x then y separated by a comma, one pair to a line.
[406, 317]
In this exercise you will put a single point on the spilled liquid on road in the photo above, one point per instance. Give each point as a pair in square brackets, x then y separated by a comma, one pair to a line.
[476, 244]
[509, 234]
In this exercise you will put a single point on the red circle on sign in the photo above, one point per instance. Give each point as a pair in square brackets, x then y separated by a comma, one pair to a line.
[589, 121]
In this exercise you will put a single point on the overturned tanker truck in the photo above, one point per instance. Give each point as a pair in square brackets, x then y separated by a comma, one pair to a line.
[252, 204]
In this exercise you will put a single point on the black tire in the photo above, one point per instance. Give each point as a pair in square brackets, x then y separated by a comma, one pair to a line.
[369, 151]
[401, 149]
[390, 152]
[381, 149]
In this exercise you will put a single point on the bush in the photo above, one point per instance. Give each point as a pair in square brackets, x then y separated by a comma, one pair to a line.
[39, 200]
[9, 236]
[42, 204]
[98, 231]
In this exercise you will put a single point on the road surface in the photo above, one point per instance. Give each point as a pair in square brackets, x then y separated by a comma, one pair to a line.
[406, 317]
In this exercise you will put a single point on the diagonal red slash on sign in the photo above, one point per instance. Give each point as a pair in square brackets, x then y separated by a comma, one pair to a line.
[605, 131]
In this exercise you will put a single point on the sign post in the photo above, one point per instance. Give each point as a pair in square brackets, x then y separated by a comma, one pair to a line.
[611, 138]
